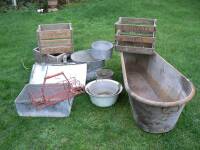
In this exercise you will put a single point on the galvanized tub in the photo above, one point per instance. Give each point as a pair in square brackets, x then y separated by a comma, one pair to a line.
[102, 50]
[48, 58]
[84, 56]
[25, 108]
[157, 91]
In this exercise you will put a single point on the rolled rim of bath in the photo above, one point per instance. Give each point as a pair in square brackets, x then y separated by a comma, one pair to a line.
[152, 102]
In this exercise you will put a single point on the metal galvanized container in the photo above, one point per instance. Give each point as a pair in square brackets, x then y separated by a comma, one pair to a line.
[104, 74]
[84, 56]
[27, 109]
[102, 50]
[157, 91]
[103, 92]
[27, 101]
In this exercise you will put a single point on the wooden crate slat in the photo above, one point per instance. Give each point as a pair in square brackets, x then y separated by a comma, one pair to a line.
[135, 28]
[54, 3]
[128, 20]
[135, 35]
[54, 50]
[56, 26]
[57, 42]
[137, 50]
[135, 39]
[54, 34]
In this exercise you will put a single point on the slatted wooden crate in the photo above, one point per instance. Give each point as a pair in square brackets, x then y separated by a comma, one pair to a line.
[55, 38]
[49, 58]
[135, 35]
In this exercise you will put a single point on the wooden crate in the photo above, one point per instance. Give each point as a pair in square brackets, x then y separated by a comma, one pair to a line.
[52, 3]
[135, 35]
[49, 58]
[55, 38]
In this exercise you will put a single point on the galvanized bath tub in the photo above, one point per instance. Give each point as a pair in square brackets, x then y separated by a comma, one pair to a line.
[157, 91]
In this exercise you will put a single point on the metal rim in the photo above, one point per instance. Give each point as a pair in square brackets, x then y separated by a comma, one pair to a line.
[88, 52]
[109, 73]
[101, 80]
[110, 45]
[150, 101]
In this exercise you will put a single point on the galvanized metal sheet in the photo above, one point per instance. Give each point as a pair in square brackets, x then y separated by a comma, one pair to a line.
[39, 71]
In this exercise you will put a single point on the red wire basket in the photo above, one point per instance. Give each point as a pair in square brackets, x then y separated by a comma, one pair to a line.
[51, 94]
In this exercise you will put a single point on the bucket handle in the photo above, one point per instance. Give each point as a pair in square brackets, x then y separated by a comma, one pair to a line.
[167, 110]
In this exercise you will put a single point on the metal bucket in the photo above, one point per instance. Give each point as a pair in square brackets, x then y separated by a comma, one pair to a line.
[84, 56]
[157, 91]
[102, 50]
[103, 92]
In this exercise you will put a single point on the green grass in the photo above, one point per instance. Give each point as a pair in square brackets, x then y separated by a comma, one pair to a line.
[90, 127]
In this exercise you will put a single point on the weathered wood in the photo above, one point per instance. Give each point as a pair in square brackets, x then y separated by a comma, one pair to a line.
[54, 43]
[137, 50]
[52, 2]
[55, 34]
[55, 38]
[135, 28]
[134, 39]
[49, 58]
[44, 27]
[127, 24]
[144, 21]
[57, 49]
[135, 35]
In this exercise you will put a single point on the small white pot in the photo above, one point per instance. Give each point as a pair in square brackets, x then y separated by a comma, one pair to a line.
[103, 92]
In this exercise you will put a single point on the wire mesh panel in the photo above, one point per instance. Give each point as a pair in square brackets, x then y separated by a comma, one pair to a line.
[50, 94]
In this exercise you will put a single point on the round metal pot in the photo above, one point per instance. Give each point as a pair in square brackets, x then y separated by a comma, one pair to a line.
[103, 92]
[84, 56]
[104, 74]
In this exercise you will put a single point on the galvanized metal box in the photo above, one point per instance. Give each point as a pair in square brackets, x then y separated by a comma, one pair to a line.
[25, 108]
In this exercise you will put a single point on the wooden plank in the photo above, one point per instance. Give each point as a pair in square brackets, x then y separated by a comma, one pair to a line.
[135, 39]
[135, 28]
[136, 34]
[144, 21]
[52, 3]
[56, 42]
[57, 26]
[55, 34]
[137, 50]
[55, 50]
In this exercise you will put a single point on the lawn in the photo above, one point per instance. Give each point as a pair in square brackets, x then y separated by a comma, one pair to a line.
[90, 127]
